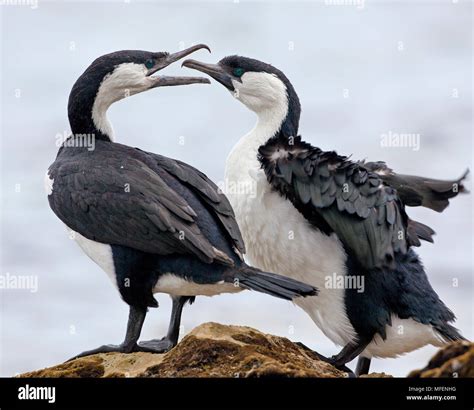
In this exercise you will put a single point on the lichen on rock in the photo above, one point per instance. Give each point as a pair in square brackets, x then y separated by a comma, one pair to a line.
[454, 360]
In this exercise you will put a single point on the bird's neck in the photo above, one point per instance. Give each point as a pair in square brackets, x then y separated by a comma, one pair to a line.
[270, 123]
[85, 124]
[87, 111]
[277, 122]
[281, 120]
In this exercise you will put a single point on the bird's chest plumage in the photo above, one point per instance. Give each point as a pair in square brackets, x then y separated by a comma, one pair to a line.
[279, 239]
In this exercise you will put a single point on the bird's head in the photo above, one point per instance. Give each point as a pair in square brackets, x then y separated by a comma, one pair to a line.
[261, 87]
[118, 75]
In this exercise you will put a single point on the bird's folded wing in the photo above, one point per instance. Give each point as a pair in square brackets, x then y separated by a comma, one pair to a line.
[419, 191]
[124, 202]
[366, 214]
[201, 185]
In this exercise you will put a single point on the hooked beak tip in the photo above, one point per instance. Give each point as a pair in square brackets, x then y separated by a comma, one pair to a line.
[213, 70]
[188, 63]
[206, 47]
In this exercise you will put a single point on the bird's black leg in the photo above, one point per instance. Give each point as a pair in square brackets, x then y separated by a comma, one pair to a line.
[326, 359]
[349, 352]
[136, 317]
[171, 339]
[363, 366]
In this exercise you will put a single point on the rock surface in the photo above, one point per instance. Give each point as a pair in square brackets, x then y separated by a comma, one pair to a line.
[214, 350]
[454, 360]
[210, 350]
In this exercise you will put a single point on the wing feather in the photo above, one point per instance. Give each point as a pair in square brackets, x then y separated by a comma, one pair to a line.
[365, 213]
[419, 191]
[208, 192]
[125, 202]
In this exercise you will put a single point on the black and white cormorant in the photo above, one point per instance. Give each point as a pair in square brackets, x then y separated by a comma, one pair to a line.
[152, 223]
[325, 220]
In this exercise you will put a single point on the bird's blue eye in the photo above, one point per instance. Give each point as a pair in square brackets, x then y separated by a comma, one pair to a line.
[149, 63]
[238, 71]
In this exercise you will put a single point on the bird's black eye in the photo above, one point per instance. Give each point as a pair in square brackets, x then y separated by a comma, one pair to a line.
[149, 63]
[238, 72]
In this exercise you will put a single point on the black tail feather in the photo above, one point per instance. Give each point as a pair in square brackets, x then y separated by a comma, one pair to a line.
[419, 191]
[271, 283]
[417, 231]
[449, 333]
[429, 193]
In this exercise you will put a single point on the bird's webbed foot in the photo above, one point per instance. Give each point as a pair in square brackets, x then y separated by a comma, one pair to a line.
[157, 345]
[331, 360]
[121, 348]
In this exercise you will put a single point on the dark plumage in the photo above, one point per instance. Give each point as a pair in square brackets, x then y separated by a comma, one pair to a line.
[404, 290]
[133, 198]
[366, 214]
[419, 191]
[355, 199]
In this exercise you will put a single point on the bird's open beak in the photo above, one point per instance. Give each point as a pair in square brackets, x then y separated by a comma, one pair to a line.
[213, 70]
[163, 81]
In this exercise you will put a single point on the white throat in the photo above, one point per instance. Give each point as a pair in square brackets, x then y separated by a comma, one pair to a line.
[271, 113]
[126, 80]
[99, 113]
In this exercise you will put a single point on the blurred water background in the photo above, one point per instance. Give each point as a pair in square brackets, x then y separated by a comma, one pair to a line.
[361, 70]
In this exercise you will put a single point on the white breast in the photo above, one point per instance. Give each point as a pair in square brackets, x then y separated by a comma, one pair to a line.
[177, 286]
[100, 253]
[48, 183]
[279, 239]
[405, 335]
